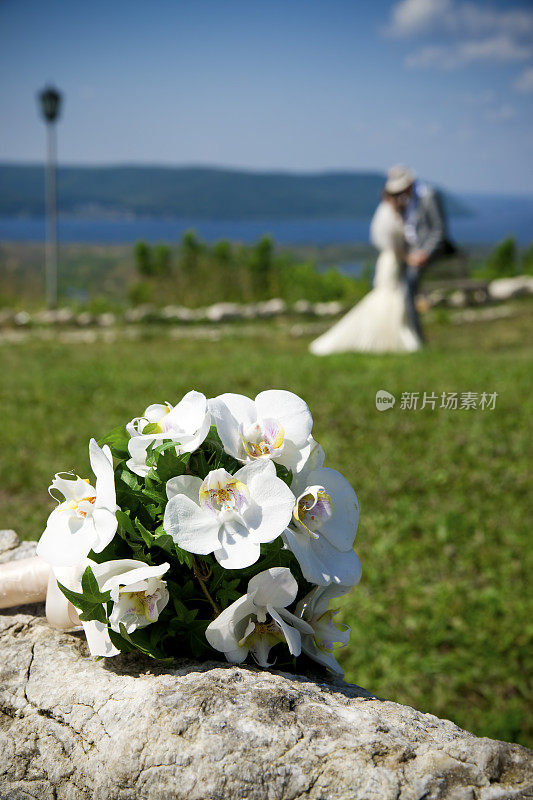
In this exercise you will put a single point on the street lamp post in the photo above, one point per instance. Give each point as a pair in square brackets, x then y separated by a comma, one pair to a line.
[50, 100]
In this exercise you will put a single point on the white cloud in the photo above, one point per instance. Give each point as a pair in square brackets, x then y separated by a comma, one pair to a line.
[452, 56]
[480, 19]
[524, 82]
[455, 34]
[496, 48]
[415, 17]
[461, 32]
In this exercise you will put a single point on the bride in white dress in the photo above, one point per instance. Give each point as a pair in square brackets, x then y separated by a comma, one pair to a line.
[379, 322]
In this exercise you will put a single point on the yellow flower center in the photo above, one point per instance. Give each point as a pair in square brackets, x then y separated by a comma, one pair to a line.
[140, 604]
[258, 443]
[311, 511]
[223, 493]
[263, 630]
[75, 504]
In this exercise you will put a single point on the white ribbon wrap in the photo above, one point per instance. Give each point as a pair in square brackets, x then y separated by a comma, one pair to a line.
[31, 580]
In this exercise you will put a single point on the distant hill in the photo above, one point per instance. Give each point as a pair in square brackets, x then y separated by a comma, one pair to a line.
[196, 192]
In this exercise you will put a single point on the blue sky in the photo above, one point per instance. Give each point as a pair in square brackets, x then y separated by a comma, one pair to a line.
[443, 85]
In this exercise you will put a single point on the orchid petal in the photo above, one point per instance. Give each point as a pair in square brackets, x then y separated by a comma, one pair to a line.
[290, 410]
[317, 601]
[189, 485]
[326, 659]
[137, 447]
[192, 528]
[276, 502]
[296, 622]
[261, 650]
[59, 546]
[237, 550]
[112, 574]
[320, 562]
[236, 656]
[275, 586]
[262, 468]
[292, 636]
[191, 443]
[341, 528]
[189, 414]
[105, 525]
[98, 639]
[72, 489]
[228, 412]
[312, 457]
[102, 466]
[223, 633]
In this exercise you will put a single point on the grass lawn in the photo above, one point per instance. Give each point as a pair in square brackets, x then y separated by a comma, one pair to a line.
[441, 618]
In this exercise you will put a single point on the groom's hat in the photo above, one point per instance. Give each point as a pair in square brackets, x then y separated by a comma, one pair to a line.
[399, 178]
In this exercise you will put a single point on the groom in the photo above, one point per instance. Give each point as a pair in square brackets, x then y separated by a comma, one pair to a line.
[424, 228]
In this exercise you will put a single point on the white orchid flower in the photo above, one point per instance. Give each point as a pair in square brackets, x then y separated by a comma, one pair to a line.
[228, 515]
[314, 609]
[138, 594]
[276, 425]
[323, 525]
[259, 620]
[86, 519]
[187, 424]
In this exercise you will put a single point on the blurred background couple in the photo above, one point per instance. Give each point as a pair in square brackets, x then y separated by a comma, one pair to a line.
[409, 230]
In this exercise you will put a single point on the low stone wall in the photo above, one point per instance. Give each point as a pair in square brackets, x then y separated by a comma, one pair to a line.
[497, 291]
[72, 728]
[219, 312]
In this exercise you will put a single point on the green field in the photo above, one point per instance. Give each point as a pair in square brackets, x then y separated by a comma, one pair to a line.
[441, 618]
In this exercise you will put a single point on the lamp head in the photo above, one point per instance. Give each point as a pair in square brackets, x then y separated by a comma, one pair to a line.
[50, 100]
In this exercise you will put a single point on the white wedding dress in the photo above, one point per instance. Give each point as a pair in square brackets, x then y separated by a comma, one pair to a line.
[379, 322]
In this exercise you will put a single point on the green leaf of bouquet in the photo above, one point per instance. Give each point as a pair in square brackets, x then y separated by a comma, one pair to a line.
[145, 533]
[228, 592]
[75, 598]
[140, 640]
[165, 542]
[120, 643]
[213, 441]
[153, 494]
[184, 557]
[117, 439]
[156, 638]
[117, 548]
[86, 604]
[197, 641]
[96, 612]
[153, 510]
[166, 444]
[199, 465]
[123, 474]
[125, 522]
[283, 473]
[169, 465]
[91, 590]
[152, 427]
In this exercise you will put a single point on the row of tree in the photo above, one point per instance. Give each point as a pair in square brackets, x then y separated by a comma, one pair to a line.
[195, 273]
[507, 260]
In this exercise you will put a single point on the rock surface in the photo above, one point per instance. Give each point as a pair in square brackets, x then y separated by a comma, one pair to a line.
[507, 288]
[72, 728]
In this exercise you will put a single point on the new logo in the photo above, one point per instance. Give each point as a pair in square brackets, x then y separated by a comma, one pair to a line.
[384, 400]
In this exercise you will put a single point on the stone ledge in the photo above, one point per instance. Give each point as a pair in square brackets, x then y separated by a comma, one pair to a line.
[72, 728]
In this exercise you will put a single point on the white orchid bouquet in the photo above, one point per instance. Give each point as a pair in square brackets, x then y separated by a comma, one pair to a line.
[212, 525]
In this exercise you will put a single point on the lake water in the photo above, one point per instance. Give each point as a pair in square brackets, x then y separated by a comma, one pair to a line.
[493, 218]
